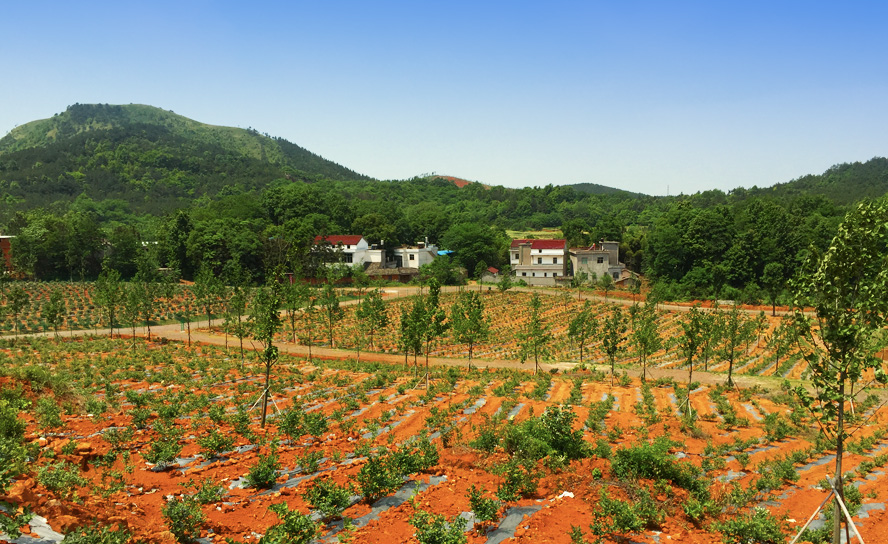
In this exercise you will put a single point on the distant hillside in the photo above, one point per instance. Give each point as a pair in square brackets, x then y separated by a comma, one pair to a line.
[595, 189]
[149, 157]
[459, 182]
[842, 184]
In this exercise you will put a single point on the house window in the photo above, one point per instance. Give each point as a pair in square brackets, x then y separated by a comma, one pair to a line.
[347, 257]
[600, 260]
[539, 251]
[616, 275]
[584, 260]
[554, 274]
[554, 260]
[539, 260]
[524, 273]
[516, 256]
[533, 274]
[412, 255]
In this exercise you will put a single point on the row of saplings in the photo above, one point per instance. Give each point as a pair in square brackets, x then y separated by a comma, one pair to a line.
[549, 439]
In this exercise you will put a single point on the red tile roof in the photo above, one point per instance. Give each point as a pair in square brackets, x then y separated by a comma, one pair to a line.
[541, 244]
[336, 239]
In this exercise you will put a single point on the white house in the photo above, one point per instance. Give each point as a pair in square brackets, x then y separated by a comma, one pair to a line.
[352, 248]
[538, 262]
[415, 256]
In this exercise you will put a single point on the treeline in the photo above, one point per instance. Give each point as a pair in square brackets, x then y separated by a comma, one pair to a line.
[126, 181]
[710, 244]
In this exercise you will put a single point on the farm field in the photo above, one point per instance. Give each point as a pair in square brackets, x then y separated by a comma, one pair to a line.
[164, 441]
[763, 353]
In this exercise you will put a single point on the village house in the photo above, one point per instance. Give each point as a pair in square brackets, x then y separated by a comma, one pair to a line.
[598, 260]
[539, 262]
[401, 264]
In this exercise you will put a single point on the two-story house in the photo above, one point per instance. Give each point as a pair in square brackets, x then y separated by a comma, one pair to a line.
[350, 249]
[598, 260]
[538, 262]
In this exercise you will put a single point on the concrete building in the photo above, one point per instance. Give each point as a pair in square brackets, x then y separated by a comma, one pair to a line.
[598, 259]
[538, 262]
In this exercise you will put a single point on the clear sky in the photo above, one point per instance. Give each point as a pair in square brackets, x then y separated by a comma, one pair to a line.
[644, 96]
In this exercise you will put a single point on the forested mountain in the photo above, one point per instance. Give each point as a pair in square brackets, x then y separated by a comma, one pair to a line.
[100, 184]
[152, 159]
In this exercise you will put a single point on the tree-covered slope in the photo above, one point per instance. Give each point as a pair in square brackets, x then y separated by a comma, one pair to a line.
[151, 158]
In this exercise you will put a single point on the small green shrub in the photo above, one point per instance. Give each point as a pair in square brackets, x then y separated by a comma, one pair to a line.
[294, 528]
[436, 529]
[328, 497]
[215, 443]
[263, 474]
[97, 534]
[184, 518]
[760, 527]
[48, 414]
[61, 477]
[486, 509]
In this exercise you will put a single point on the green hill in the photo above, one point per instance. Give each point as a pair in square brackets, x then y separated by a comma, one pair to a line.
[151, 158]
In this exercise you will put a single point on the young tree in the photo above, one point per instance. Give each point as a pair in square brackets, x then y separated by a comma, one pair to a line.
[505, 281]
[773, 280]
[582, 327]
[691, 339]
[605, 283]
[735, 329]
[646, 335]
[207, 289]
[710, 330]
[468, 321]
[434, 322]
[146, 289]
[309, 312]
[16, 300]
[109, 294]
[534, 339]
[579, 280]
[132, 307]
[372, 313]
[295, 294]
[54, 310]
[265, 322]
[411, 329]
[332, 313]
[612, 332]
[846, 286]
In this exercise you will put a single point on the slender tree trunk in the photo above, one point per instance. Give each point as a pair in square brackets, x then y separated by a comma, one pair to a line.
[838, 516]
[188, 326]
[265, 394]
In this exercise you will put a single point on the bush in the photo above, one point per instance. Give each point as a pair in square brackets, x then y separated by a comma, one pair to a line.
[653, 461]
[328, 497]
[486, 509]
[97, 534]
[61, 477]
[378, 477]
[520, 480]
[759, 526]
[294, 528]
[166, 447]
[435, 529]
[184, 518]
[263, 474]
[48, 414]
[214, 444]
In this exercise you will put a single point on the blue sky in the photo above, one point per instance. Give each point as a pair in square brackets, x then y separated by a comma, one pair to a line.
[644, 96]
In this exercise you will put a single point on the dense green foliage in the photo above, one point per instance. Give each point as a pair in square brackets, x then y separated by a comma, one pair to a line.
[103, 183]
